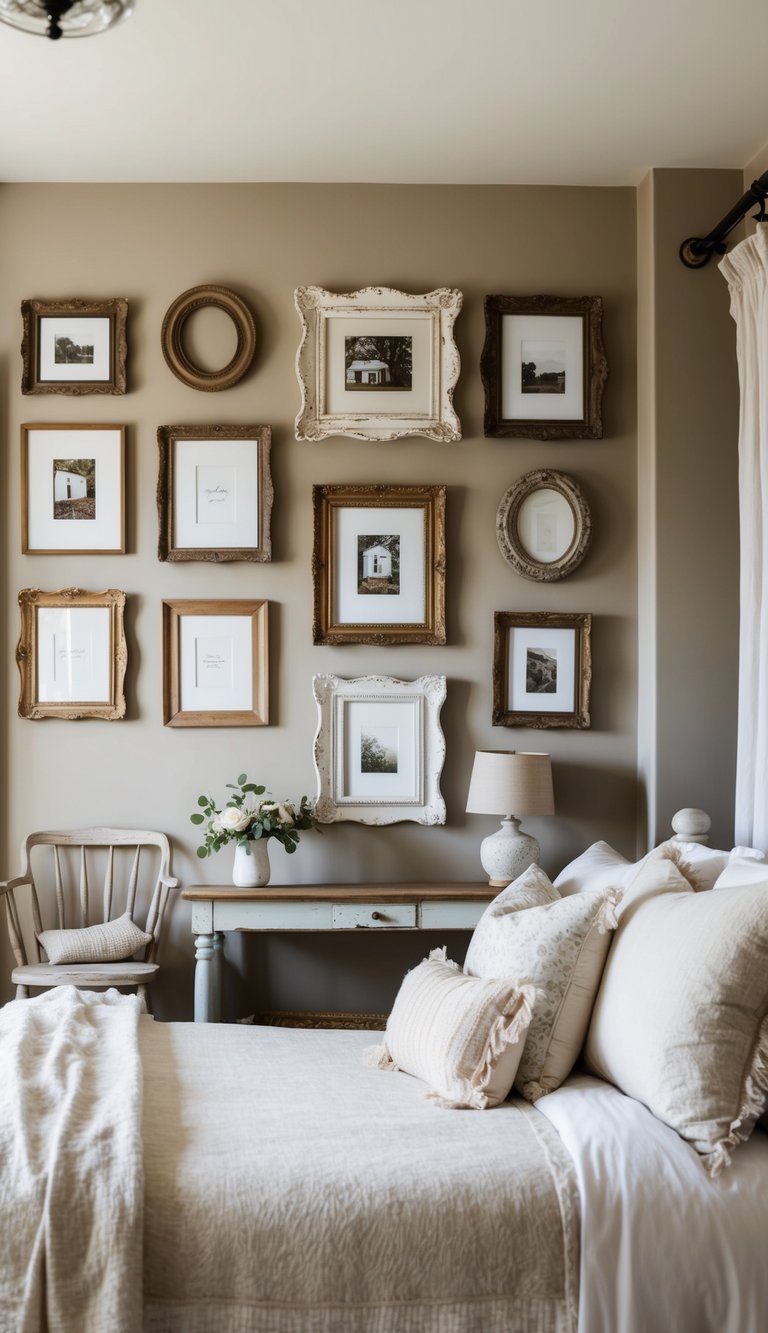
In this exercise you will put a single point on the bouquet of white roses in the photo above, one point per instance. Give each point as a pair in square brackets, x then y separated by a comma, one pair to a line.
[247, 816]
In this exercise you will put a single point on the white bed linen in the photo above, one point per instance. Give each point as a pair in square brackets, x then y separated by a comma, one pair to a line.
[665, 1249]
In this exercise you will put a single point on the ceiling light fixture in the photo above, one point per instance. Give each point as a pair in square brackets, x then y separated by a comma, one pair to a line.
[64, 18]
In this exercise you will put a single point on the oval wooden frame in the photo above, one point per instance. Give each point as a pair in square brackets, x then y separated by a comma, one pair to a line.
[196, 298]
[508, 535]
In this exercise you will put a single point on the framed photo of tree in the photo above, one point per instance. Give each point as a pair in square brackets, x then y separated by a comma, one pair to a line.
[74, 347]
[72, 489]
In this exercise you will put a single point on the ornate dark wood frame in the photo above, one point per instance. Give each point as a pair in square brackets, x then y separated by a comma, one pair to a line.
[171, 337]
[26, 654]
[166, 439]
[508, 534]
[590, 309]
[326, 501]
[579, 717]
[115, 310]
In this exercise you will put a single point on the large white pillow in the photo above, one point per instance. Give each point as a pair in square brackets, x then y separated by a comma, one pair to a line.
[462, 1036]
[680, 1018]
[110, 942]
[701, 865]
[599, 867]
[561, 945]
[746, 865]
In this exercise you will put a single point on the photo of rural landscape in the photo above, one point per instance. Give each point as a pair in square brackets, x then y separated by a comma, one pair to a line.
[69, 353]
[543, 367]
[74, 488]
[378, 750]
[378, 564]
[378, 363]
[541, 671]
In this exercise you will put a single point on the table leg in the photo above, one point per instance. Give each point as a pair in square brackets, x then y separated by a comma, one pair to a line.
[217, 968]
[204, 979]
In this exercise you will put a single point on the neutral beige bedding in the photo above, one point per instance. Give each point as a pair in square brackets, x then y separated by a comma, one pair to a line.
[291, 1189]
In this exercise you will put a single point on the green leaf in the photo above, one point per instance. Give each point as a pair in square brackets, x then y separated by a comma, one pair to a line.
[202, 852]
[197, 819]
[243, 778]
[202, 800]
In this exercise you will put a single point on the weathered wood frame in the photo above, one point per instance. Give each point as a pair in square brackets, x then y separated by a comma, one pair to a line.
[173, 714]
[30, 706]
[172, 338]
[26, 498]
[508, 536]
[579, 715]
[115, 310]
[167, 439]
[595, 367]
[327, 501]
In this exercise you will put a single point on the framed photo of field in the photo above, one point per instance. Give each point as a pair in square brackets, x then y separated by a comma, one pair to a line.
[74, 347]
[542, 669]
[72, 489]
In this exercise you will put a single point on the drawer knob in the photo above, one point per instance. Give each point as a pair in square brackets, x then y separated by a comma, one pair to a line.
[376, 916]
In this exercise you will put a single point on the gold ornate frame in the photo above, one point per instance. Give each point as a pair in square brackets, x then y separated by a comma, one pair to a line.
[30, 705]
[32, 312]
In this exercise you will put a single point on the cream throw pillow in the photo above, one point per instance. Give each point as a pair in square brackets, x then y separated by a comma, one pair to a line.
[463, 1037]
[599, 867]
[680, 1019]
[561, 945]
[111, 942]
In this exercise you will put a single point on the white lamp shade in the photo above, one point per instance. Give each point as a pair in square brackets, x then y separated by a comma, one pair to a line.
[511, 782]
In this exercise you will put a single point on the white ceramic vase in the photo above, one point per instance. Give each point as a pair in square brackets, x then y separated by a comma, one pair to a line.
[251, 865]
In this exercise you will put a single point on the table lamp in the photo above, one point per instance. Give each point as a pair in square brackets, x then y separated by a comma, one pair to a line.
[509, 783]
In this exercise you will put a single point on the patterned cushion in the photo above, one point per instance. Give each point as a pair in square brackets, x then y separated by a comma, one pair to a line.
[111, 942]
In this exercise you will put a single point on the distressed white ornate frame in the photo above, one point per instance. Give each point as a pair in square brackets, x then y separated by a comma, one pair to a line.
[318, 308]
[423, 698]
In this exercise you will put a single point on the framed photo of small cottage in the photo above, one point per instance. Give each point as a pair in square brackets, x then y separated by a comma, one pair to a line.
[74, 347]
[543, 367]
[215, 663]
[542, 669]
[379, 749]
[72, 654]
[214, 493]
[72, 489]
[377, 364]
[379, 564]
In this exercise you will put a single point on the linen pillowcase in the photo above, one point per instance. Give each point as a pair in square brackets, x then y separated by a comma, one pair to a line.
[599, 867]
[110, 942]
[462, 1036]
[746, 865]
[701, 865]
[680, 1018]
[561, 946]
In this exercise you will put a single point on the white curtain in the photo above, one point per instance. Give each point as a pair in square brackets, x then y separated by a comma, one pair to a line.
[745, 270]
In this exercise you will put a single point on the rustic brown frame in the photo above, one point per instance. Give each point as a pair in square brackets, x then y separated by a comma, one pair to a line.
[258, 714]
[167, 437]
[595, 370]
[26, 549]
[508, 534]
[172, 337]
[579, 716]
[115, 310]
[26, 654]
[327, 500]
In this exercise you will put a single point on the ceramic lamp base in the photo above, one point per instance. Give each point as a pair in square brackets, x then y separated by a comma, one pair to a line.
[506, 853]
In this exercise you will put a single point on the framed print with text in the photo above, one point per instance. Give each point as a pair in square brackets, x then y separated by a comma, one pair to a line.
[72, 489]
[72, 654]
[214, 493]
[215, 663]
[74, 347]
[542, 669]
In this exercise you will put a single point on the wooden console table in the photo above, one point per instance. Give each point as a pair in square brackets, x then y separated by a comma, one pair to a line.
[217, 908]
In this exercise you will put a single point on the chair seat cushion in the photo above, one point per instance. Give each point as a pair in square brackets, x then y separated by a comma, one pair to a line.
[108, 942]
[84, 974]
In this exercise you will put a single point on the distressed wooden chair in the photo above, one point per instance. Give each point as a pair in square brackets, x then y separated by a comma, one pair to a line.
[60, 897]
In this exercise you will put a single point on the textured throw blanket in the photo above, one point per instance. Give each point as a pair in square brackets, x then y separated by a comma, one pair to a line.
[71, 1188]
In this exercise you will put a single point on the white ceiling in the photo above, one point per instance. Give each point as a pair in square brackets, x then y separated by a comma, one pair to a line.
[455, 91]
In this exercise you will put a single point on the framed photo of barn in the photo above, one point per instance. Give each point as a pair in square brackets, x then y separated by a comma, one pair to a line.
[215, 663]
[214, 493]
[542, 669]
[543, 367]
[377, 364]
[72, 489]
[379, 564]
[74, 347]
[72, 654]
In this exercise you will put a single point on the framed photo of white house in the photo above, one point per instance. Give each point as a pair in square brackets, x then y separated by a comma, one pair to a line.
[377, 364]
[214, 493]
[542, 669]
[543, 525]
[215, 663]
[543, 367]
[379, 564]
[74, 347]
[72, 489]
[379, 749]
[72, 654]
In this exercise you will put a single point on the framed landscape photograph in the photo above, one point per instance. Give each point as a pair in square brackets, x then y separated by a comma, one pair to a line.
[72, 654]
[377, 364]
[542, 669]
[543, 367]
[379, 564]
[379, 749]
[214, 493]
[75, 347]
[215, 663]
[72, 489]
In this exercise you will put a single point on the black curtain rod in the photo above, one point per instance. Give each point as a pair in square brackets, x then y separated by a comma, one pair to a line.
[698, 250]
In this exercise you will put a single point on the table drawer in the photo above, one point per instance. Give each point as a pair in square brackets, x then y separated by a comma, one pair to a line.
[374, 916]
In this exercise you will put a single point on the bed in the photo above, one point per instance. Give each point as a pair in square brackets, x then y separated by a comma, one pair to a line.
[214, 1179]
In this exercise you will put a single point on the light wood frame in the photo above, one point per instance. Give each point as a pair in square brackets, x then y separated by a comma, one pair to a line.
[173, 713]
[118, 548]
[27, 655]
[167, 438]
[508, 535]
[33, 311]
[589, 309]
[172, 337]
[329, 501]
[577, 715]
